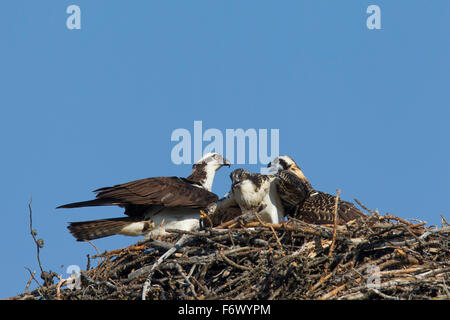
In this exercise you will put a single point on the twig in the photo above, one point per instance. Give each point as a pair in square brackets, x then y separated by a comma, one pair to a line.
[444, 221]
[32, 277]
[364, 207]
[232, 263]
[98, 252]
[391, 217]
[383, 295]
[58, 288]
[39, 243]
[332, 293]
[333, 240]
[231, 238]
[186, 279]
[273, 231]
[29, 281]
[321, 281]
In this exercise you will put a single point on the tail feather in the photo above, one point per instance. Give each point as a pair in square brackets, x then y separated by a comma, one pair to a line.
[89, 203]
[94, 229]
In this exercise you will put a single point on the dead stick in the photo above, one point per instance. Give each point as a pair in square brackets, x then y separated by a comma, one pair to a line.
[444, 221]
[99, 254]
[228, 223]
[29, 281]
[332, 293]
[58, 288]
[321, 281]
[364, 207]
[333, 241]
[134, 247]
[273, 231]
[392, 217]
[232, 263]
[33, 234]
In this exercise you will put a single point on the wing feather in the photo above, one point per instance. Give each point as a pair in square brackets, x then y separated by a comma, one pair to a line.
[165, 191]
[292, 190]
[318, 208]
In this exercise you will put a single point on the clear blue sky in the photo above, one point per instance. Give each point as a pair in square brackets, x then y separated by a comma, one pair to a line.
[363, 111]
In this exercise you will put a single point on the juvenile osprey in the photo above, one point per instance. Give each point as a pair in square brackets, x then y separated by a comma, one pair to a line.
[153, 204]
[317, 206]
[250, 193]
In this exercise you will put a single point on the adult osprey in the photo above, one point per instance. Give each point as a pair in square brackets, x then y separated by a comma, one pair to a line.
[255, 193]
[153, 204]
[317, 206]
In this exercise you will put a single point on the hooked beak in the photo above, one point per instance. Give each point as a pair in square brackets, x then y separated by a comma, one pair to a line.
[235, 184]
[272, 170]
[226, 163]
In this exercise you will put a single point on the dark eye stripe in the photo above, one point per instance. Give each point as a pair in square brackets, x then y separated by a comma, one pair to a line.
[283, 163]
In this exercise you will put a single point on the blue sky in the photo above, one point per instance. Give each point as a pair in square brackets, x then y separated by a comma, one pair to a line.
[363, 111]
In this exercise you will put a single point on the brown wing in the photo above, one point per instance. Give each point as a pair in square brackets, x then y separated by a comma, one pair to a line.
[318, 208]
[159, 192]
[165, 191]
[291, 190]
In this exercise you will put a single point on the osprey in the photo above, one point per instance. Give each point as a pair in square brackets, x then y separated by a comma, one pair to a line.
[317, 206]
[153, 204]
[250, 193]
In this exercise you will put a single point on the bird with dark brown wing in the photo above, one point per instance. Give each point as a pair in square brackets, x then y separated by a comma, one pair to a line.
[153, 204]
[317, 207]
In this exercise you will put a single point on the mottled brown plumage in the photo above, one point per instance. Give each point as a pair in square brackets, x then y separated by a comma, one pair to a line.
[292, 190]
[317, 207]
[198, 174]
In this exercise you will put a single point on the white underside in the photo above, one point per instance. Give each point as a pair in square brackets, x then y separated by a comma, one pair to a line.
[133, 230]
[272, 213]
[175, 218]
[248, 197]
[168, 218]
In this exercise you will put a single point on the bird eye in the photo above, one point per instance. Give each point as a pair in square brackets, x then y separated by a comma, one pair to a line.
[216, 156]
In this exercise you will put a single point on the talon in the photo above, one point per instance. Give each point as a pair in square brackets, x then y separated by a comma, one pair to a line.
[203, 214]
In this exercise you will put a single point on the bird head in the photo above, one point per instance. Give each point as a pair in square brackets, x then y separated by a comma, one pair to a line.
[238, 176]
[286, 163]
[282, 163]
[213, 160]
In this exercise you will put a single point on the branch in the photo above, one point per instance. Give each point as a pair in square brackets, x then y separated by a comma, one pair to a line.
[39, 242]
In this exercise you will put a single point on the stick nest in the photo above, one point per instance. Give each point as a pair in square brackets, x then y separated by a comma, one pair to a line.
[378, 257]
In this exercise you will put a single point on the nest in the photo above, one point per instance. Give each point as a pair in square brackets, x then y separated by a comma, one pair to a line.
[378, 257]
